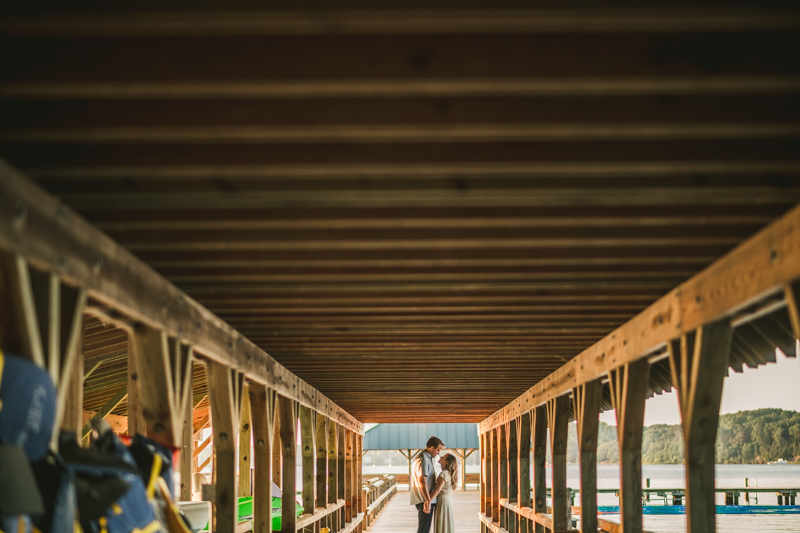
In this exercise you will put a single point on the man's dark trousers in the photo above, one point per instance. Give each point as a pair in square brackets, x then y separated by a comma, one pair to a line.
[424, 518]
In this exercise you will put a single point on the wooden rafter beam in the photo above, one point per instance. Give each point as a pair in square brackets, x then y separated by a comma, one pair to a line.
[112, 404]
[761, 267]
[55, 238]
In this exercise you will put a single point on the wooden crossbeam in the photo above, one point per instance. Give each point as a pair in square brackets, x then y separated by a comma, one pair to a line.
[203, 446]
[110, 405]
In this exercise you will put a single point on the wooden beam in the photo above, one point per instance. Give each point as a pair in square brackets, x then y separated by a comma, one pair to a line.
[224, 391]
[628, 393]
[321, 440]
[768, 260]
[262, 407]
[201, 425]
[792, 296]
[349, 482]
[492, 495]
[277, 448]
[333, 457]
[308, 447]
[110, 405]
[699, 364]
[447, 21]
[524, 496]
[484, 472]
[288, 412]
[357, 476]
[512, 462]
[539, 443]
[164, 368]
[587, 398]
[196, 453]
[558, 422]
[245, 436]
[502, 470]
[187, 453]
[42, 229]
[73, 402]
[342, 474]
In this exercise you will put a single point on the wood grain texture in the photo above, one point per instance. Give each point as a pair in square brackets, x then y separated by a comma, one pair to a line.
[699, 365]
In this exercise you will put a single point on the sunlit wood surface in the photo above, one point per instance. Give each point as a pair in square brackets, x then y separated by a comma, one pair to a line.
[400, 517]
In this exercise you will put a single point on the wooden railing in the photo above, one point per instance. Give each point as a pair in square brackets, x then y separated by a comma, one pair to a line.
[377, 493]
[56, 268]
[736, 311]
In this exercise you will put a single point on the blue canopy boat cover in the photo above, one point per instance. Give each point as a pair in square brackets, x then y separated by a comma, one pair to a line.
[721, 509]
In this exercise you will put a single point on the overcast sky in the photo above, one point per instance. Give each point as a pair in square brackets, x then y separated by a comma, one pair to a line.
[773, 385]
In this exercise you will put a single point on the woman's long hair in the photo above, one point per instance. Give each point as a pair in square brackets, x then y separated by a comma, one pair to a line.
[451, 465]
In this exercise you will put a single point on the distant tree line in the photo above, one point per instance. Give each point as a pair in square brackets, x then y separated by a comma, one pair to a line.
[746, 437]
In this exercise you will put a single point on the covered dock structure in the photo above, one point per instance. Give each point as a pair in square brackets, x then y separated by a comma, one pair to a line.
[294, 218]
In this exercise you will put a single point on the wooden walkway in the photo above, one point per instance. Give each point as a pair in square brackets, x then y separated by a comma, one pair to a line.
[400, 517]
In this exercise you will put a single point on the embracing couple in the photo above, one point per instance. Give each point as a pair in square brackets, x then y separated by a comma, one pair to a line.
[430, 494]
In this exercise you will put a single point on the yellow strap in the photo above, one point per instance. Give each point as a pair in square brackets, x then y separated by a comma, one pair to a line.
[155, 473]
[152, 527]
[174, 521]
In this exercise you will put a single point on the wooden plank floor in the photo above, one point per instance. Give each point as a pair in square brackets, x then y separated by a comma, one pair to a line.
[400, 517]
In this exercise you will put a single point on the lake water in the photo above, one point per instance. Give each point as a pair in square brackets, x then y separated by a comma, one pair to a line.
[672, 476]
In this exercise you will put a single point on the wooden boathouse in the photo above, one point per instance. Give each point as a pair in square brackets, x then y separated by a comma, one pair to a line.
[284, 220]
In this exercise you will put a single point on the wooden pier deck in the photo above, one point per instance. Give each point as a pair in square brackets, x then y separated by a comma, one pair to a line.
[400, 517]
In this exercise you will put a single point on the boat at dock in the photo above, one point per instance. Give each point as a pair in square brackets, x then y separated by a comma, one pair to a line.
[721, 509]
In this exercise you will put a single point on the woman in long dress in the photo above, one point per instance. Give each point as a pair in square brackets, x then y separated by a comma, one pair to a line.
[445, 520]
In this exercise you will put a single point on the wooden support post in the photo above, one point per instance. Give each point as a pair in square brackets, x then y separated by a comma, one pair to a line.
[586, 402]
[321, 429]
[350, 511]
[245, 434]
[558, 420]
[73, 403]
[502, 471]
[224, 391]
[359, 457]
[463, 469]
[308, 446]
[484, 507]
[512, 483]
[628, 393]
[792, 297]
[539, 439]
[136, 423]
[164, 368]
[341, 489]
[524, 469]
[186, 444]
[333, 457]
[491, 476]
[277, 454]
[262, 411]
[333, 472]
[699, 364]
[287, 410]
